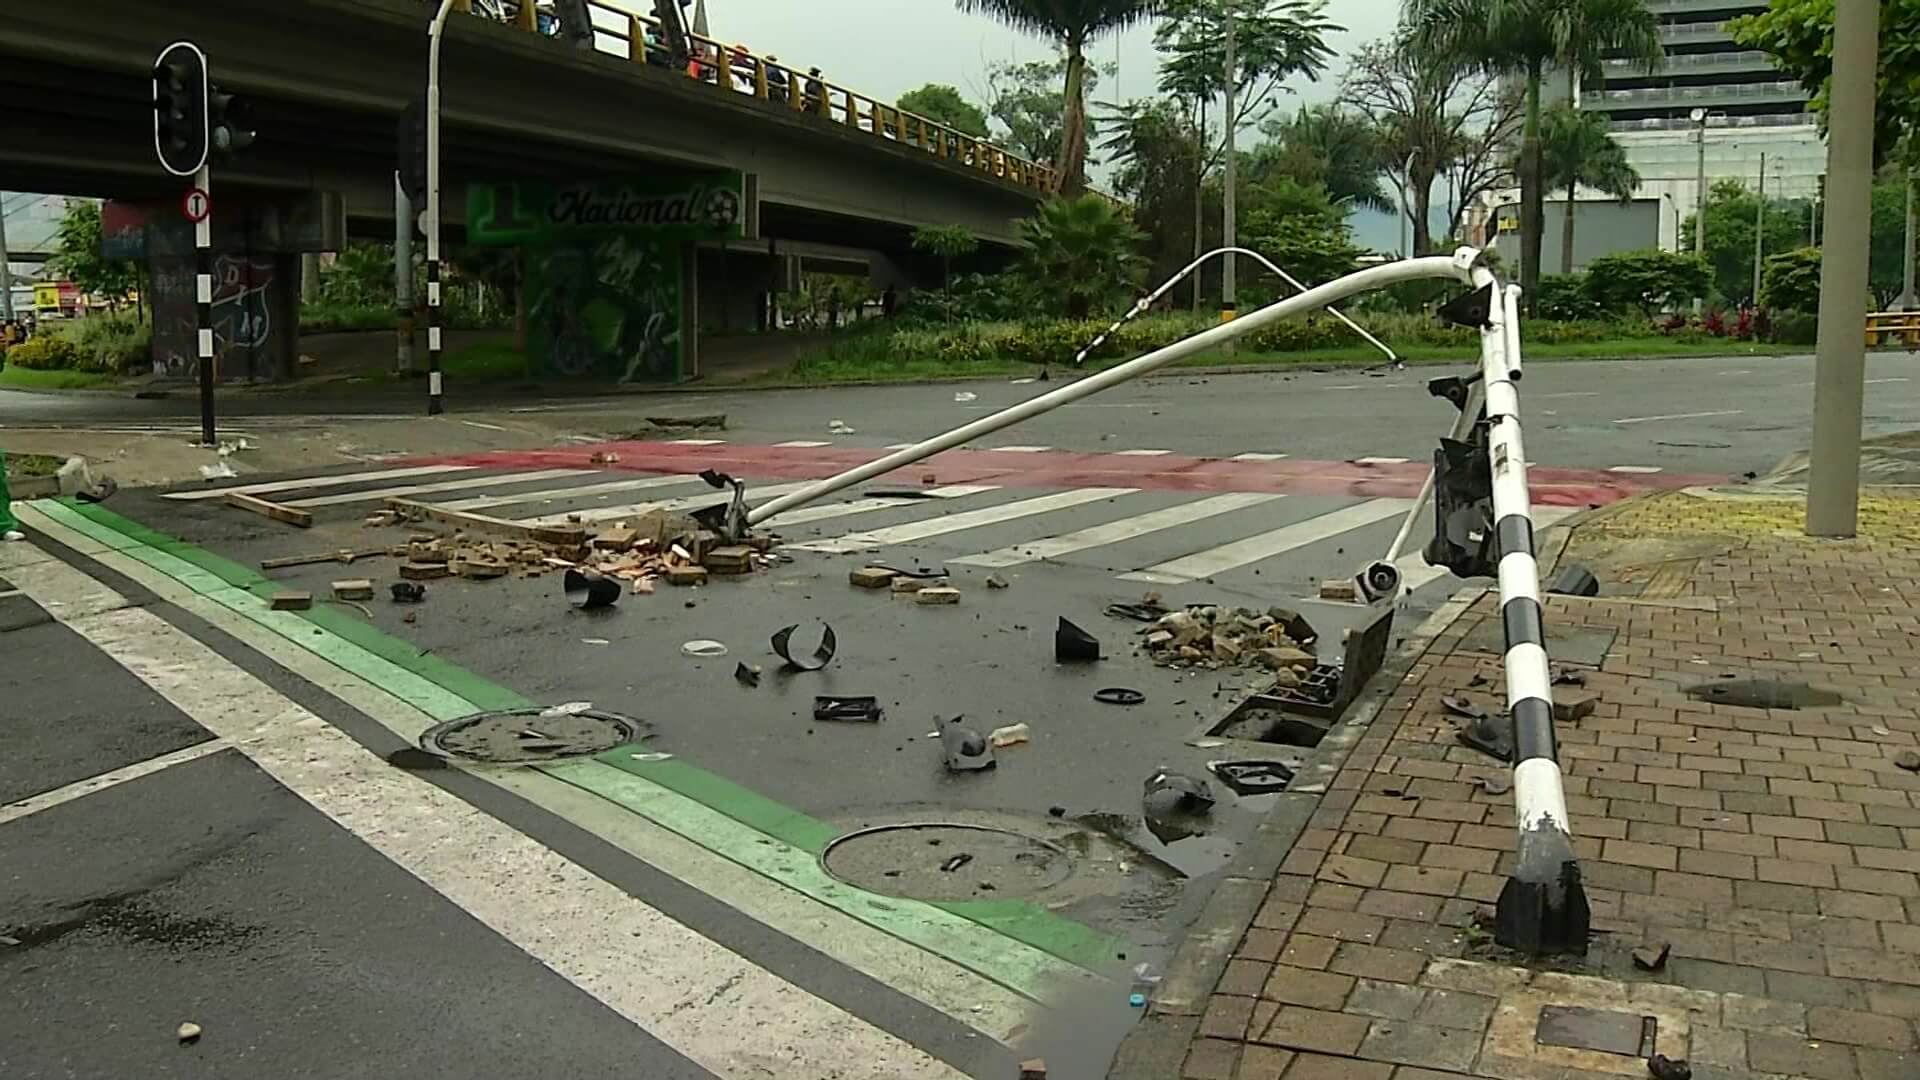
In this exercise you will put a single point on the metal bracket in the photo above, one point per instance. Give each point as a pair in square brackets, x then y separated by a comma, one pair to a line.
[1474, 309]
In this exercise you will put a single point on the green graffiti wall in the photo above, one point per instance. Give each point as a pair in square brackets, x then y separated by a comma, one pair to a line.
[606, 264]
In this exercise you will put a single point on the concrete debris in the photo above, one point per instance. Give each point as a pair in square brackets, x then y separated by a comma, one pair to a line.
[1033, 1068]
[871, 577]
[188, 1033]
[219, 471]
[995, 581]
[419, 571]
[686, 575]
[380, 519]
[291, 601]
[353, 589]
[906, 585]
[938, 595]
[1340, 589]
[1574, 710]
[1219, 637]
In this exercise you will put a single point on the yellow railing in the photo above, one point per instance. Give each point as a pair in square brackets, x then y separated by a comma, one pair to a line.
[734, 69]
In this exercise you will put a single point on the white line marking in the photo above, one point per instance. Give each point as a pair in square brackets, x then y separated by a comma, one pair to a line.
[318, 482]
[690, 502]
[1019, 449]
[1348, 387]
[1269, 544]
[1116, 531]
[899, 445]
[1380, 461]
[1870, 382]
[972, 519]
[488, 427]
[6, 593]
[798, 444]
[445, 485]
[1678, 416]
[46, 800]
[1254, 455]
[863, 506]
[695, 442]
[583, 928]
[1142, 453]
[639, 483]
[954, 990]
[1567, 393]
[1635, 469]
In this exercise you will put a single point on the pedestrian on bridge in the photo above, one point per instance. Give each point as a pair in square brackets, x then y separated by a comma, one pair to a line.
[813, 94]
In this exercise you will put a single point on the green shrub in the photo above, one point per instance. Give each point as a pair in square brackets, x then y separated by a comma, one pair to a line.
[45, 352]
[1646, 281]
[1791, 280]
[1795, 327]
[1564, 296]
[109, 344]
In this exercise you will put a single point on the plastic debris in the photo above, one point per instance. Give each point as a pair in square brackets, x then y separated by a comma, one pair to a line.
[1137, 1000]
[570, 708]
[587, 590]
[747, 674]
[863, 710]
[407, 592]
[1119, 695]
[822, 655]
[1175, 805]
[965, 396]
[218, 471]
[955, 862]
[966, 749]
[703, 649]
[655, 756]
[1144, 975]
[839, 427]
[1010, 735]
[995, 581]
[1072, 644]
[1252, 777]
[595, 641]
[188, 1033]
[1908, 760]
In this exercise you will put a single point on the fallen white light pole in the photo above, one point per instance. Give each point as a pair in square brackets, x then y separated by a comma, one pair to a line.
[1457, 266]
[1148, 301]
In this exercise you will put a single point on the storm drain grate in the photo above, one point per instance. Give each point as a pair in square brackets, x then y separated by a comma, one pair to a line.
[530, 735]
[940, 860]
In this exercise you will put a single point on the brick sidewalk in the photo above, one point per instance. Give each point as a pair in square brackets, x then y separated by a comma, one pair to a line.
[1777, 851]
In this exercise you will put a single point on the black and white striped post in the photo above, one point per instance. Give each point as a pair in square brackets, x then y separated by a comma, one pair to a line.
[434, 31]
[203, 301]
[1542, 907]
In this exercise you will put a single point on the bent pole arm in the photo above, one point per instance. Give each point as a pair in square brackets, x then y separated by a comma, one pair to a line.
[1456, 266]
[1147, 301]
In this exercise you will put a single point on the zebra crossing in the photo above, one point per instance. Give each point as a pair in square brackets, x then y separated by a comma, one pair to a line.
[1138, 535]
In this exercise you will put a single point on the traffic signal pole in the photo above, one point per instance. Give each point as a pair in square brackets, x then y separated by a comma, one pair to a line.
[203, 305]
[434, 33]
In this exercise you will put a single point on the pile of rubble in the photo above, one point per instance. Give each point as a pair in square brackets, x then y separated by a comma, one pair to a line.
[1227, 637]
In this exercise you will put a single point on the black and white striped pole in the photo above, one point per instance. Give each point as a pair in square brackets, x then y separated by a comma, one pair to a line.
[435, 30]
[1543, 907]
[200, 208]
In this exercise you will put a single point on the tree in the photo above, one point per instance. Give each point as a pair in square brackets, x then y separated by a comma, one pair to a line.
[1079, 252]
[1577, 150]
[1072, 24]
[1522, 37]
[1158, 155]
[1314, 251]
[1731, 210]
[1337, 148]
[1027, 103]
[1799, 36]
[1434, 116]
[938, 101]
[949, 242]
[1648, 280]
[77, 257]
[1790, 281]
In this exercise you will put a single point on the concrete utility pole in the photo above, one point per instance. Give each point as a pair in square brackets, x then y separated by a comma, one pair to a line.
[402, 277]
[1833, 477]
[1700, 193]
[6, 275]
[1907, 299]
[1759, 227]
[309, 276]
[1229, 232]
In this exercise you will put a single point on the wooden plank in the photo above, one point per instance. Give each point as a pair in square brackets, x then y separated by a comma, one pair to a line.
[274, 510]
[562, 535]
[339, 555]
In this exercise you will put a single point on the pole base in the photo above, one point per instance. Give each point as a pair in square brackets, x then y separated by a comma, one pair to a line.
[1544, 913]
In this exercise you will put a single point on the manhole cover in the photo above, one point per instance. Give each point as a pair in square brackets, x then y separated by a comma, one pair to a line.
[947, 861]
[1764, 694]
[531, 735]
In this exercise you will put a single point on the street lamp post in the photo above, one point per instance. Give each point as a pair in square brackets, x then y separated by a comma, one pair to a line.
[1699, 117]
[1833, 475]
[1759, 227]
[1229, 231]
[434, 33]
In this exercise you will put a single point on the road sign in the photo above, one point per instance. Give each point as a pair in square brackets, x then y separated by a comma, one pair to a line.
[196, 204]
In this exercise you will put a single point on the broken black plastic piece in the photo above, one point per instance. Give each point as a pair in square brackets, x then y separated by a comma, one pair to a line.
[1119, 695]
[860, 710]
[747, 676]
[587, 590]
[1252, 777]
[1491, 735]
[1463, 533]
[1453, 388]
[408, 592]
[1474, 309]
[821, 656]
[1072, 644]
[715, 478]
[966, 749]
[1142, 612]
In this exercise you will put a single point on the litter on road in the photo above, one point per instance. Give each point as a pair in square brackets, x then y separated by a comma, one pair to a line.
[1252, 777]
[302, 519]
[1119, 695]
[703, 649]
[863, 710]
[1010, 735]
[747, 674]
[966, 749]
[407, 592]
[187, 1033]
[1216, 637]
[822, 654]
[587, 591]
[1071, 644]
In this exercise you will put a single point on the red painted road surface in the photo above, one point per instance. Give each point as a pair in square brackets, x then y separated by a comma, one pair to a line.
[1058, 468]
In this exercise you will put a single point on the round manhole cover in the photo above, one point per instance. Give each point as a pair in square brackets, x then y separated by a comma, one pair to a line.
[947, 861]
[531, 735]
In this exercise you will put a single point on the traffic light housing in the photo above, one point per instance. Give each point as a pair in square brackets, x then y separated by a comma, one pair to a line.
[413, 150]
[229, 121]
[180, 129]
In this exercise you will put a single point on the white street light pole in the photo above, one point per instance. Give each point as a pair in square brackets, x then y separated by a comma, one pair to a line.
[1759, 227]
[6, 275]
[434, 32]
[1700, 184]
[1833, 476]
[1229, 232]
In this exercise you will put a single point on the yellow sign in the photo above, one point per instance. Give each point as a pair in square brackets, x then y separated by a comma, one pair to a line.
[46, 297]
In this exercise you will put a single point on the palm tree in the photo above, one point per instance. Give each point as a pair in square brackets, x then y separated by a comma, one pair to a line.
[1072, 23]
[1080, 252]
[1577, 149]
[1523, 37]
[1342, 146]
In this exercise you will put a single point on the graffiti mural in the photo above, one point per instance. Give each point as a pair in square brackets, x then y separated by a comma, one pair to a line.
[242, 317]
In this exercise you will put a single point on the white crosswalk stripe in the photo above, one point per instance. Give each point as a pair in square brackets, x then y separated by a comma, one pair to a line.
[409, 490]
[690, 502]
[972, 519]
[802, 444]
[808, 514]
[1019, 449]
[1269, 544]
[637, 483]
[1254, 455]
[1114, 532]
[308, 483]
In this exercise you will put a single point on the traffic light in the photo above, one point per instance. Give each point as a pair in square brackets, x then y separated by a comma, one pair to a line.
[229, 121]
[180, 108]
[413, 150]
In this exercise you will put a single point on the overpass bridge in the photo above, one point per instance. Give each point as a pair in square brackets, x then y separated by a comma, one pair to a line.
[329, 79]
